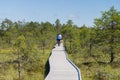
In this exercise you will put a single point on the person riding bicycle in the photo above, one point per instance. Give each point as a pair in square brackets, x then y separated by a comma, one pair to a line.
[59, 37]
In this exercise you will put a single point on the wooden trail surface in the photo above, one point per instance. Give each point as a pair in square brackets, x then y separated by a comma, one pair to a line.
[61, 68]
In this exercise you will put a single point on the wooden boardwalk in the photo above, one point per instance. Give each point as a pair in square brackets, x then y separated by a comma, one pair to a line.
[61, 68]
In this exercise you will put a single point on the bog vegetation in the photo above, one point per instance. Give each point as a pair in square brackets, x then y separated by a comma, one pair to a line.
[26, 46]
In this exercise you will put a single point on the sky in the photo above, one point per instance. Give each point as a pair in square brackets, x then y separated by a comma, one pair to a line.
[79, 11]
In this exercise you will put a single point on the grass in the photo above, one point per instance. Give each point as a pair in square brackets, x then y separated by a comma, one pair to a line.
[95, 68]
[89, 67]
[29, 71]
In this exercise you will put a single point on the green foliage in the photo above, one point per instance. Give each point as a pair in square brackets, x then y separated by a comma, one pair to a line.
[88, 47]
[20, 42]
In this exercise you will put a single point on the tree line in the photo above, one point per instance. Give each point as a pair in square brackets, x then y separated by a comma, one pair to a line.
[104, 34]
[27, 38]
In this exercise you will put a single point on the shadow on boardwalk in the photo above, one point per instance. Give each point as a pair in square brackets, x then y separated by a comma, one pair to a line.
[47, 67]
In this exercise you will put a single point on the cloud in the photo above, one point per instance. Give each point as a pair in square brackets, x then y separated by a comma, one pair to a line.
[73, 16]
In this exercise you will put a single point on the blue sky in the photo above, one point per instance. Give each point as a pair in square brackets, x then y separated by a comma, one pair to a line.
[79, 11]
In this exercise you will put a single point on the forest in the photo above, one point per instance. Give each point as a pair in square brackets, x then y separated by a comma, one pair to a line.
[26, 46]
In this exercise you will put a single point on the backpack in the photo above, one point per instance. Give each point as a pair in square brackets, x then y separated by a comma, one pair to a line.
[59, 36]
